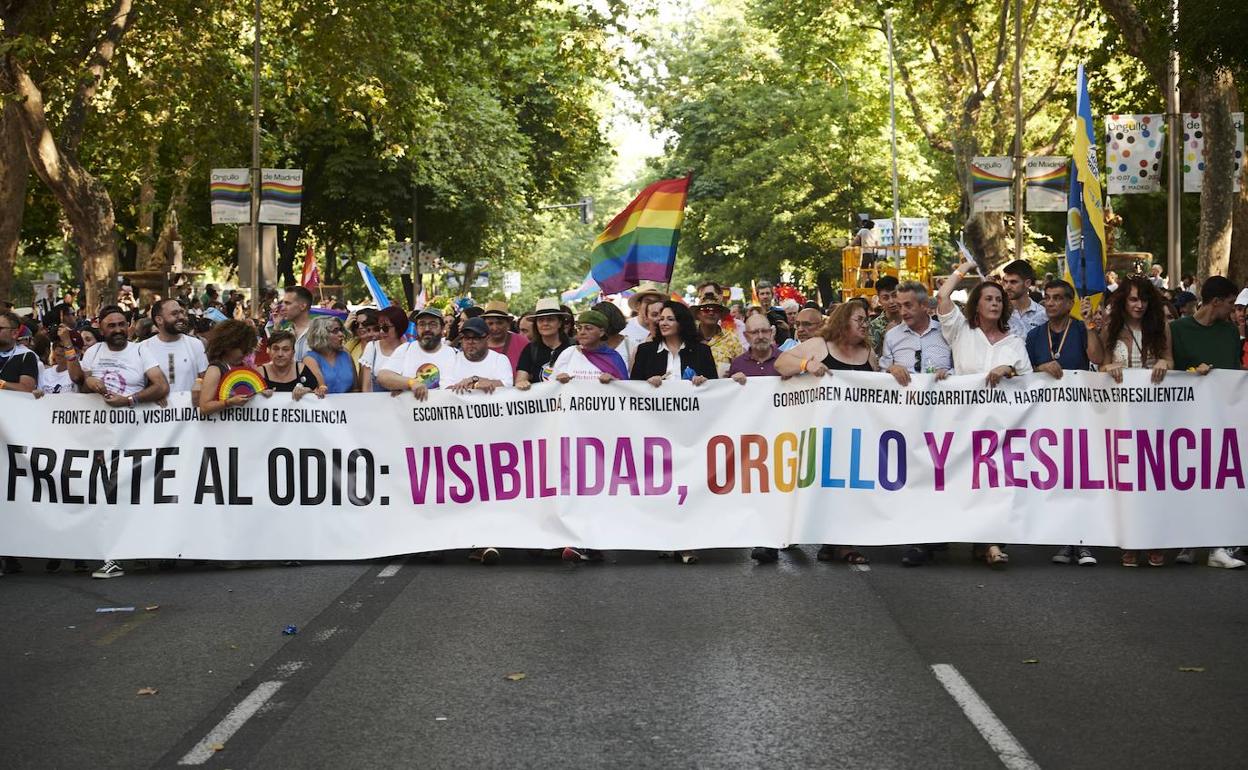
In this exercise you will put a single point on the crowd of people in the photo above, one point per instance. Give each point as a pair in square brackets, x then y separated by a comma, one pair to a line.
[1009, 325]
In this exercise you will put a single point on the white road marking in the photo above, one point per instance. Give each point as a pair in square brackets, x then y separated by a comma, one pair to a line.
[390, 570]
[290, 668]
[860, 567]
[225, 729]
[1008, 749]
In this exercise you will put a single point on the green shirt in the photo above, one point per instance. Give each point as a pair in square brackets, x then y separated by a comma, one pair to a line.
[876, 329]
[1194, 344]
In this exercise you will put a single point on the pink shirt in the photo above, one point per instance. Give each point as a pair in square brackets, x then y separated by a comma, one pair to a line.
[516, 343]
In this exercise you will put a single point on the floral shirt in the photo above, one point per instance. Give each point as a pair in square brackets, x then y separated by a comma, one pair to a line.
[724, 346]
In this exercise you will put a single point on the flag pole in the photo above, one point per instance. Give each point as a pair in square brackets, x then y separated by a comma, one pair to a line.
[254, 274]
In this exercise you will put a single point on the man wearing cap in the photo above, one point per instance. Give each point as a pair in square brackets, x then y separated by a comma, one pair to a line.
[640, 326]
[539, 356]
[424, 364]
[501, 339]
[710, 309]
[477, 367]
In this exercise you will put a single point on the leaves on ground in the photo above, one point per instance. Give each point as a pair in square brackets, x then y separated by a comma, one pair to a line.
[515, 676]
[152, 607]
[147, 691]
[1192, 669]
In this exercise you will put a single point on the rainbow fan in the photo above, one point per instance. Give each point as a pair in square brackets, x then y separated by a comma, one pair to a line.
[430, 375]
[240, 381]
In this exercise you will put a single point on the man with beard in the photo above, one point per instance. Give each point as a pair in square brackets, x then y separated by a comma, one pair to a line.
[19, 366]
[181, 356]
[766, 294]
[478, 367]
[121, 372]
[422, 365]
[1018, 277]
[294, 307]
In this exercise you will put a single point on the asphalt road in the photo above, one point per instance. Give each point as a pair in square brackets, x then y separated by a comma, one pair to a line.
[636, 662]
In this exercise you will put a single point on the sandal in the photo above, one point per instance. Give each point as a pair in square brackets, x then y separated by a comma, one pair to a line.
[851, 556]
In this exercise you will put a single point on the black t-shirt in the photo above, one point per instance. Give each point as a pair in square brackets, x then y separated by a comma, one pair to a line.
[303, 376]
[537, 357]
[18, 362]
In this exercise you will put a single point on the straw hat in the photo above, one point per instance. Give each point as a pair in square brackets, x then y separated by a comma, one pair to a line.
[547, 307]
[646, 289]
[496, 309]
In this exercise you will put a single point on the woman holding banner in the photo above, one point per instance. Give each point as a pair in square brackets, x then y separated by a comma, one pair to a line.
[391, 326]
[677, 352]
[1136, 336]
[330, 363]
[229, 343]
[591, 358]
[979, 336]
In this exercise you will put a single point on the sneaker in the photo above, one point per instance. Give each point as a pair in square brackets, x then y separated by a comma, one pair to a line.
[1186, 556]
[914, 556]
[688, 557]
[1156, 558]
[1065, 555]
[109, 569]
[1130, 559]
[826, 553]
[1221, 557]
[1086, 559]
[764, 555]
[486, 556]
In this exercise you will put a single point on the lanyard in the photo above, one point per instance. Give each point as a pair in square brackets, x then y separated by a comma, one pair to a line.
[1054, 355]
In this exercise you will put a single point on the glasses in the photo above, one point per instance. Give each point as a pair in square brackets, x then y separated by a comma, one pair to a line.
[337, 330]
[386, 328]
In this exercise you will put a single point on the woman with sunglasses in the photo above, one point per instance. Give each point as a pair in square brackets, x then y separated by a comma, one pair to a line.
[328, 360]
[391, 326]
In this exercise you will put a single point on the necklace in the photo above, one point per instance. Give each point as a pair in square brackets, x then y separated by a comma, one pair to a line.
[1053, 355]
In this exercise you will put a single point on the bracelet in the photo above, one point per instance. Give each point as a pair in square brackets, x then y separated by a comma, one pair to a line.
[805, 361]
[410, 380]
[133, 401]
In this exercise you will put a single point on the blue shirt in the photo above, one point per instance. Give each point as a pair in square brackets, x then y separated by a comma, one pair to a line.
[1072, 353]
[339, 378]
[914, 352]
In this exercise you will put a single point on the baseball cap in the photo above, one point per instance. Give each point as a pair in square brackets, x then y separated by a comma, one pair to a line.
[475, 326]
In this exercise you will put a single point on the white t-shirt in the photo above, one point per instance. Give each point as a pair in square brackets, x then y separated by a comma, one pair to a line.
[634, 331]
[414, 361]
[375, 360]
[182, 360]
[495, 366]
[627, 350]
[124, 371]
[574, 363]
[974, 354]
[51, 381]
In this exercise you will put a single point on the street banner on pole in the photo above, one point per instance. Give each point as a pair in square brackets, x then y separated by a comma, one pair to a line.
[991, 180]
[853, 458]
[281, 195]
[229, 191]
[1133, 146]
[1048, 178]
[1194, 151]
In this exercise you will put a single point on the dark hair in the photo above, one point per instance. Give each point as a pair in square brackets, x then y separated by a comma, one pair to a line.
[367, 315]
[302, 293]
[230, 335]
[684, 322]
[159, 304]
[108, 310]
[971, 311]
[280, 336]
[1066, 288]
[1152, 326]
[1217, 287]
[397, 318]
[615, 319]
[1021, 268]
[886, 283]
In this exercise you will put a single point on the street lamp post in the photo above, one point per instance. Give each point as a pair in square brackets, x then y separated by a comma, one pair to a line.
[254, 273]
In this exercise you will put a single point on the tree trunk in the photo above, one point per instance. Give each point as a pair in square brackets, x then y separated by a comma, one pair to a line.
[83, 199]
[1237, 266]
[287, 243]
[14, 175]
[1217, 196]
[987, 238]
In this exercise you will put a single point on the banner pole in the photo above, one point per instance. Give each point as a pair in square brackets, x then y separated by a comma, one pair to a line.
[254, 273]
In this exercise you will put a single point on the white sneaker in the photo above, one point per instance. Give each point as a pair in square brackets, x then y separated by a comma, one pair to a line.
[111, 569]
[1186, 556]
[1086, 559]
[1221, 557]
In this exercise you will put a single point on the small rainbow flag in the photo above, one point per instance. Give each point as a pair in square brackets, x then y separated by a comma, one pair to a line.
[587, 289]
[640, 243]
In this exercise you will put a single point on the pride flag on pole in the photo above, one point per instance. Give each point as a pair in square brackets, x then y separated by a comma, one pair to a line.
[374, 287]
[311, 279]
[1085, 214]
[640, 243]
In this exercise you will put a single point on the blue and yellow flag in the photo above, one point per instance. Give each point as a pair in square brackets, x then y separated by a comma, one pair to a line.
[1085, 213]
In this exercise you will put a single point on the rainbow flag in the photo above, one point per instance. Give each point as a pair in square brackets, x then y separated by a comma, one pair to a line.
[640, 243]
[311, 279]
[1085, 215]
[587, 289]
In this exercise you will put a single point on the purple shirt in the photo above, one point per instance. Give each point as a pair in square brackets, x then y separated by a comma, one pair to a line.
[746, 364]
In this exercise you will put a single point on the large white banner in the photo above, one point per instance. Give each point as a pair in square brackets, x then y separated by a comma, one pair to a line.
[851, 458]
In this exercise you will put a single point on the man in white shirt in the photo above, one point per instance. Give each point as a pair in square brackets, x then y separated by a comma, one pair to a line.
[1018, 277]
[916, 344]
[639, 327]
[180, 356]
[477, 367]
[123, 373]
[422, 365]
